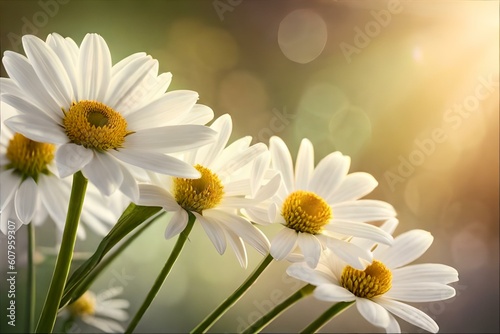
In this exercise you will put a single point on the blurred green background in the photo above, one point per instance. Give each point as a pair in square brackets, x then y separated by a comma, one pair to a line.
[409, 90]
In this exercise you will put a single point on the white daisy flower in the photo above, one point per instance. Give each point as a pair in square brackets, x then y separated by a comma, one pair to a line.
[104, 117]
[31, 191]
[101, 311]
[320, 207]
[231, 179]
[386, 284]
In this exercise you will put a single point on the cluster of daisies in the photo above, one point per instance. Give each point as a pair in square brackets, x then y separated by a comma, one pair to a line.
[66, 109]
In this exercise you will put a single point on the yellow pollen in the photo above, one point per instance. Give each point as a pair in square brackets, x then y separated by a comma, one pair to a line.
[305, 211]
[375, 280]
[199, 194]
[28, 157]
[95, 125]
[85, 305]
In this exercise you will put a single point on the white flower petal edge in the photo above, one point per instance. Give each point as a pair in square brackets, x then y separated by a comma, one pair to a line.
[26, 200]
[408, 313]
[408, 247]
[71, 158]
[177, 223]
[283, 243]
[372, 312]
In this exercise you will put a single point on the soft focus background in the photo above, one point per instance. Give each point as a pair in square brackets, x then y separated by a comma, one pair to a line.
[408, 89]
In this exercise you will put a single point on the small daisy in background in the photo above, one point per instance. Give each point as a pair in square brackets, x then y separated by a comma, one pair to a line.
[385, 285]
[320, 206]
[104, 117]
[102, 311]
[232, 178]
[31, 190]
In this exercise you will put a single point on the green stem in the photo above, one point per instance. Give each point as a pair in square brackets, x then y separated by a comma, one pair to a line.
[278, 309]
[233, 298]
[31, 279]
[325, 317]
[64, 257]
[183, 237]
[87, 281]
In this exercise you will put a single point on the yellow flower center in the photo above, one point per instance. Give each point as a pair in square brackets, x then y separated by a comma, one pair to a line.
[375, 280]
[95, 125]
[305, 211]
[199, 194]
[85, 305]
[28, 157]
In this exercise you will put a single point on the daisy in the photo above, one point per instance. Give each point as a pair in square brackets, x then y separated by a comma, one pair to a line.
[231, 179]
[104, 117]
[320, 207]
[32, 192]
[386, 284]
[101, 311]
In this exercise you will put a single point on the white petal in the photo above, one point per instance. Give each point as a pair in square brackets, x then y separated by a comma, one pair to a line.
[115, 303]
[26, 200]
[393, 326]
[223, 127]
[282, 161]
[307, 274]
[329, 174]
[239, 248]
[49, 69]
[311, 248]
[353, 255]
[199, 114]
[372, 312]
[118, 67]
[425, 272]
[126, 78]
[241, 227]
[105, 325]
[363, 210]
[257, 215]
[94, 68]
[353, 187]
[151, 195]
[66, 55]
[21, 71]
[70, 158]
[160, 111]
[333, 293]
[55, 198]
[154, 87]
[360, 230]
[9, 183]
[259, 169]
[26, 107]
[304, 166]
[214, 232]
[241, 160]
[7, 217]
[283, 243]
[170, 139]
[116, 314]
[9, 86]
[177, 223]
[104, 172]
[407, 247]
[37, 128]
[408, 313]
[420, 292]
[388, 226]
[129, 184]
[269, 189]
[157, 162]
